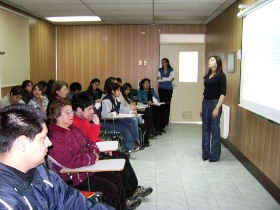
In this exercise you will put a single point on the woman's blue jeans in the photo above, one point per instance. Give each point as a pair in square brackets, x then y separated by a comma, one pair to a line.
[132, 124]
[123, 129]
[211, 148]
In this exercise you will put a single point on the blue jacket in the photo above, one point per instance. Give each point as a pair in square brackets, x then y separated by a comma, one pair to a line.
[47, 191]
[142, 95]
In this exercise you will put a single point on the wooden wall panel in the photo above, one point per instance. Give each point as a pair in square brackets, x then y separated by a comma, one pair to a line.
[42, 50]
[256, 138]
[86, 52]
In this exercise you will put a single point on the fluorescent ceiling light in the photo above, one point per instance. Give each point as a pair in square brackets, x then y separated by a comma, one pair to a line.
[74, 19]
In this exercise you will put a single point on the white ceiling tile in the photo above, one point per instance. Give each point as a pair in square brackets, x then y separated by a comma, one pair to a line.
[118, 2]
[183, 13]
[45, 2]
[121, 7]
[122, 13]
[177, 22]
[188, 1]
[73, 13]
[57, 8]
[186, 6]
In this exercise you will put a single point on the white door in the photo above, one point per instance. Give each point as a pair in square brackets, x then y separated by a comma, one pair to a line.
[187, 96]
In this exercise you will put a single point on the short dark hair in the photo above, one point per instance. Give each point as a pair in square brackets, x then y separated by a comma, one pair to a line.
[25, 83]
[111, 86]
[119, 79]
[75, 86]
[17, 120]
[57, 85]
[82, 100]
[16, 90]
[39, 86]
[43, 83]
[56, 109]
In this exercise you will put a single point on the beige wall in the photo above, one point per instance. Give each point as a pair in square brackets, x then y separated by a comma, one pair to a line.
[42, 51]
[256, 138]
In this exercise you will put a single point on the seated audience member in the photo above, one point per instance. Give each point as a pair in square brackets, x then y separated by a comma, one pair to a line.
[107, 81]
[94, 91]
[110, 107]
[145, 95]
[27, 95]
[44, 85]
[26, 183]
[129, 106]
[75, 88]
[88, 122]
[13, 97]
[49, 87]
[73, 149]
[39, 101]
[59, 90]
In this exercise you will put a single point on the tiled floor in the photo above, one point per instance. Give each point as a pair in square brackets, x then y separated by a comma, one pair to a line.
[181, 180]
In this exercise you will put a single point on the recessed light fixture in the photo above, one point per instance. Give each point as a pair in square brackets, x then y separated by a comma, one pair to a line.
[74, 19]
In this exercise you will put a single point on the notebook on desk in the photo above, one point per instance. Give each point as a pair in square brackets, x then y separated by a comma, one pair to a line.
[107, 146]
[99, 166]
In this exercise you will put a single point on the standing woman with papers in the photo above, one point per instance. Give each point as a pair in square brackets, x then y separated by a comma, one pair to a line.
[165, 88]
[147, 95]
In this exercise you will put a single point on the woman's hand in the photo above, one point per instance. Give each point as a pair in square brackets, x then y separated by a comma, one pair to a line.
[149, 103]
[215, 113]
[132, 107]
[42, 99]
[95, 119]
[97, 156]
[158, 77]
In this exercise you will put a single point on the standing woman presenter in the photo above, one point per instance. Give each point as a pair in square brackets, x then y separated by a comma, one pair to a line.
[165, 88]
[213, 96]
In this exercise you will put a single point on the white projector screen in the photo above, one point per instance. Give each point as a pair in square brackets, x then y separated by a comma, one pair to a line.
[260, 68]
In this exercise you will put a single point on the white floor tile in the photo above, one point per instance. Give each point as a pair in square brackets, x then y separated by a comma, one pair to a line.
[181, 180]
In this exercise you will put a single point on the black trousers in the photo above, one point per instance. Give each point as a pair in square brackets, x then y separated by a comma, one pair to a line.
[158, 113]
[130, 181]
[129, 178]
[149, 123]
[165, 95]
[111, 184]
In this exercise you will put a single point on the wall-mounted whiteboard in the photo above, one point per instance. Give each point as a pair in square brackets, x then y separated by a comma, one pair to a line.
[14, 41]
[260, 69]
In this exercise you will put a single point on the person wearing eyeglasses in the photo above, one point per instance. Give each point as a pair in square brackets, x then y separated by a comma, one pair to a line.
[73, 149]
[13, 97]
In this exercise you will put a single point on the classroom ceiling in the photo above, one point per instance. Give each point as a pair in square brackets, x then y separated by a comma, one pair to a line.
[127, 11]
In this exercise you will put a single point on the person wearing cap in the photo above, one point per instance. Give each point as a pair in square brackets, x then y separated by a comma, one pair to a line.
[13, 97]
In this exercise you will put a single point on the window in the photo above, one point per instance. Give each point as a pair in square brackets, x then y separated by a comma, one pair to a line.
[188, 66]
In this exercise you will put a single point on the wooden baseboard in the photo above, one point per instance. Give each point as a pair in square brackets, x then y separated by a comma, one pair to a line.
[257, 173]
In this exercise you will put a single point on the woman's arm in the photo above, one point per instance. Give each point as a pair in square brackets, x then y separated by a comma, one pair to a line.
[219, 104]
[165, 79]
[154, 93]
[140, 97]
[106, 109]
